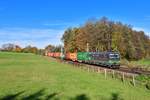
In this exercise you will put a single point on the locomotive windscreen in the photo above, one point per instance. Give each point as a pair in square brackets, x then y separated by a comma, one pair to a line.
[114, 56]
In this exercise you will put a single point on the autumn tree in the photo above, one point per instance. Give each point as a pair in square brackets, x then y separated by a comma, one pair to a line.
[30, 49]
[17, 48]
[107, 35]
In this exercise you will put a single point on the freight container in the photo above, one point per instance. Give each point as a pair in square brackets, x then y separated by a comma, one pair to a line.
[83, 56]
[71, 56]
[57, 54]
[50, 54]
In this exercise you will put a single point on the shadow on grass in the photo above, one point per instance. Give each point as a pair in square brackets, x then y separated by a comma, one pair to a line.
[48, 97]
[80, 97]
[35, 96]
[116, 96]
[11, 96]
[40, 95]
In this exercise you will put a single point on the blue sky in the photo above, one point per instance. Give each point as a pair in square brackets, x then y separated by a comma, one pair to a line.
[42, 22]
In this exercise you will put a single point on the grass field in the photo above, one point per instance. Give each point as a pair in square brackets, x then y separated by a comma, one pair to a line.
[32, 77]
[143, 62]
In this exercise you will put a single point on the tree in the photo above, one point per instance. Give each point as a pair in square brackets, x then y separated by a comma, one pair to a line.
[49, 48]
[106, 35]
[30, 49]
[8, 47]
[17, 48]
[69, 39]
[41, 52]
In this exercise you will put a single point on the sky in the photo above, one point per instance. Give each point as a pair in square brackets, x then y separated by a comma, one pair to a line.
[42, 22]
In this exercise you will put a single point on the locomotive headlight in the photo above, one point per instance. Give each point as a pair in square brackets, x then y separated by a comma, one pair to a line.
[110, 61]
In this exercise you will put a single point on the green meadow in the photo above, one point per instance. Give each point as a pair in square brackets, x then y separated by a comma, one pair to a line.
[32, 77]
[145, 62]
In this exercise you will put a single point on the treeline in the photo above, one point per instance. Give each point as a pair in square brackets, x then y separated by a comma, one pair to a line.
[106, 35]
[9, 47]
[29, 49]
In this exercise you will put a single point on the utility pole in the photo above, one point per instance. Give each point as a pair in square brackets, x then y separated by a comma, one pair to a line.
[98, 46]
[87, 47]
[110, 36]
[110, 42]
[62, 54]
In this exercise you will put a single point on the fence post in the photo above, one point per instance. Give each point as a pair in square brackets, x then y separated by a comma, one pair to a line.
[98, 70]
[113, 74]
[123, 76]
[105, 72]
[78, 66]
[88, 69]
[133, 79]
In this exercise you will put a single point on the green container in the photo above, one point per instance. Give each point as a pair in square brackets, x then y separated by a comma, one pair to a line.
[83, 56]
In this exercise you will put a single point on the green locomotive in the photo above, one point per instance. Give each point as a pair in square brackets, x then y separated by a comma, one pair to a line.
[108, 59]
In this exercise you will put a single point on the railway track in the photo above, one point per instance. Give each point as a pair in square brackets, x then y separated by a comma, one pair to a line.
[125, 69]
[134, 70]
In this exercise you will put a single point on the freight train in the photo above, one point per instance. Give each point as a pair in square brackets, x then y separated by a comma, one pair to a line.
[106, 59]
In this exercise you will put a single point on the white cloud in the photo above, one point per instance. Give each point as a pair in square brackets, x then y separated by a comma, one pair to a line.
[28, 36]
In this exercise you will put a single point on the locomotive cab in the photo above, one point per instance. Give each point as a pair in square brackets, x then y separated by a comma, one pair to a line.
[114, 60]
